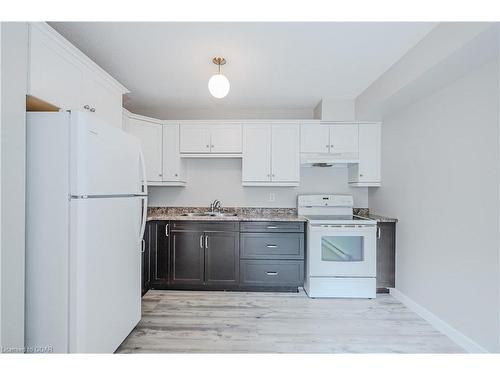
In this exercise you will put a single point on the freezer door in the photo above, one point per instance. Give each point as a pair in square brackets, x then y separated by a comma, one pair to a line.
[105, 160]
[105, 272]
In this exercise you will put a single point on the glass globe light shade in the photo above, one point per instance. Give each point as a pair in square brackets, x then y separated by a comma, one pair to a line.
[218, 85]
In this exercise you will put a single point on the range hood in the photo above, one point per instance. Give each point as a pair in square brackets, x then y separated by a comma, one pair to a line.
[328, 159]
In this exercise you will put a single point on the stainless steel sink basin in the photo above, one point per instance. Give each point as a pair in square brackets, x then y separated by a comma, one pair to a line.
[212, 214]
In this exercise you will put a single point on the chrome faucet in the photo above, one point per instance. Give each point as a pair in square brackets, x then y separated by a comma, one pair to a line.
[215, 206]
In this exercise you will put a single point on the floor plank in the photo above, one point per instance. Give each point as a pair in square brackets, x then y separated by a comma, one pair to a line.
[247, 322]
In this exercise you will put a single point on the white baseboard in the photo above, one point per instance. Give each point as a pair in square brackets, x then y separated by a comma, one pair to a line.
[459, 338]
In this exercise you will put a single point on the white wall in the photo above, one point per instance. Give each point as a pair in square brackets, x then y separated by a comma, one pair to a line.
[221, 112]
[209, 179]
[12, 168]
[440, 159]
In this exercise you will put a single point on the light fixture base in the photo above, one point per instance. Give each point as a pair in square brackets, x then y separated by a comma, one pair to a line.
[219, 60]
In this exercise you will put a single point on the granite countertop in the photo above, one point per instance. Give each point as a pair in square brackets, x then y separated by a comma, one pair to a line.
[246, 214]
[242, 214]
[380, 219]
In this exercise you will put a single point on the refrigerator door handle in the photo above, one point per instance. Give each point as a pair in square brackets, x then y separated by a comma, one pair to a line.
[144, 198]
[144, 187]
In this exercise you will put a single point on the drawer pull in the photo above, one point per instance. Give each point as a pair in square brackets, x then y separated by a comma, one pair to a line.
[272, 273]
[272, 227]
[272, 246]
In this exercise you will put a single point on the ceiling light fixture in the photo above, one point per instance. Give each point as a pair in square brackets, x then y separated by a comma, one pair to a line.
[218, 84]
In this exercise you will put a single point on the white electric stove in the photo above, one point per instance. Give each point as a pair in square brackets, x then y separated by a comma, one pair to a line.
[341, 248]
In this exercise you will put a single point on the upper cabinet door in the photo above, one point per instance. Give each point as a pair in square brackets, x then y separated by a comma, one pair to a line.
[226, 138]
[369, 153]
[172, 163]
[105, 102]
[194, 138]
[150, 135]
[256, 161]
[53, 76]
[285, 153]
[314, 138]
[344, 138]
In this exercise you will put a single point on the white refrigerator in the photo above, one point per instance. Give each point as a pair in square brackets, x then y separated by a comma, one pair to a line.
[86, 203]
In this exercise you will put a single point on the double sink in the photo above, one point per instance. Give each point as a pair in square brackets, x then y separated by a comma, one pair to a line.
[212, 214]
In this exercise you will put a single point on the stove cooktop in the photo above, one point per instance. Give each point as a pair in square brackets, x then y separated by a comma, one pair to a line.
[336, 218]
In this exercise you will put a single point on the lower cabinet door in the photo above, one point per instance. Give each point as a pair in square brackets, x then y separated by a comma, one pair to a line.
[159, 254]
[187, 249]
[222, 258]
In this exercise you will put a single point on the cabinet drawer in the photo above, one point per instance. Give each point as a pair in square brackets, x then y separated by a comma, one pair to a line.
[271, 272]
[205, 226]
[272, 226]
[272, 245]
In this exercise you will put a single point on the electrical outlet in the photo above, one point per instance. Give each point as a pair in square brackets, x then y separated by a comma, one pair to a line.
[272, 198]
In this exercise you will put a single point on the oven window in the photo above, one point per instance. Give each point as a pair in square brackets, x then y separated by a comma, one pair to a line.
[342, 248]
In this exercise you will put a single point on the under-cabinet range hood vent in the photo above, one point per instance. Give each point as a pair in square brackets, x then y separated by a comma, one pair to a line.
[328, 160]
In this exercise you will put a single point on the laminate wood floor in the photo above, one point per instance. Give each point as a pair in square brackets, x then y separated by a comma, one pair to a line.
[248, 322]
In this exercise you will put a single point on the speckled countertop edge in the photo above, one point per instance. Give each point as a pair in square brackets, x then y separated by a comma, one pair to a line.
[246, 214]
[242, 214]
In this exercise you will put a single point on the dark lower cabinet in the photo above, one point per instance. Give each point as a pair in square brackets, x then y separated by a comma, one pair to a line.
[187, 257]
[386, 255]
[160, 255]
[206, 255]
[222, 258]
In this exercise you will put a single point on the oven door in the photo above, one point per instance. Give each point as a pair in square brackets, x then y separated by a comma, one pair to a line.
[342, 250]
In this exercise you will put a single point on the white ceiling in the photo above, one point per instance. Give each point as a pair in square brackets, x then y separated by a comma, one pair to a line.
[166, 66]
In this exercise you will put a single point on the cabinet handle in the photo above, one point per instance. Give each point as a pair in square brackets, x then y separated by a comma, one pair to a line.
[176, 175]
[159, 174]
[327, 146]
[92, 109]
[272, 175]
[201, 241]
[206, 242]
[86, 106]
[272, 246]
[166, 230]
[360, 175]
[143, 246]
[208, 146]
[378, 232]
[272, 273]
[331, 146]
[272, 227]
[211, 146]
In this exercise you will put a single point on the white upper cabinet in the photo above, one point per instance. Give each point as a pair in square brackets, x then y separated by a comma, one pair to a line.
[210, 139]
[226, 138]
[99, 98]
[150, 134]
[256, 162]
[329, 138]
[314, 138]
[271, 155]
[194, 138]
[285, 156]
[344, 138]
[173, 165]
[63, 76]
[367, 172]
[53, 74]
[160, 147]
